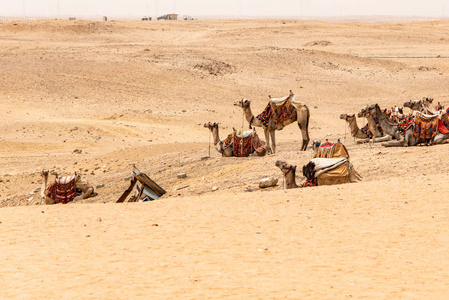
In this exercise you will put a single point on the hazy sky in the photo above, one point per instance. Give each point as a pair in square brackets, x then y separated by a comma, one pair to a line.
[261, 8]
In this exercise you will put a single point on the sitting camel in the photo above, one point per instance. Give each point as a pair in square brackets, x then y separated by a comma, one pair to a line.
[72, 188]
[428, 103]
[373, 123]
[226, 147]
[359, 134]
[389, 127]
[409, 138]
[424, 105]
[289, 174]
[300, 113]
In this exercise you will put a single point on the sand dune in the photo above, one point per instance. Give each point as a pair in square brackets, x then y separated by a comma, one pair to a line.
[128, 93]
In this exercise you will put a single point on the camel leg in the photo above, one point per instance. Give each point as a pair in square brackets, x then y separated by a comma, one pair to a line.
[440, 139]
[48, 200]
[401, 143]
[85, 194]
[362, 141]
[382, 139]
[267, 140]
[405, 141]
[303, 116]
[228, 152]
[273, 140]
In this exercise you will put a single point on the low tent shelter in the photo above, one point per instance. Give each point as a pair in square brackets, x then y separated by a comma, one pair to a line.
[147, 189]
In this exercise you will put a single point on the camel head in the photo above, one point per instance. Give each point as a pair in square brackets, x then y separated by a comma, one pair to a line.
[347, 117]
[315, 146]
[211, 125]
[285, 167]
[243, 103]
[371, 110]
[408, 104]
[363, 113]
[413, 105]
[77, 177]
[427, 101]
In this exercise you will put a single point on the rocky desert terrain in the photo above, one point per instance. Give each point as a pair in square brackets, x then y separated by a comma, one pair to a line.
[99, 97]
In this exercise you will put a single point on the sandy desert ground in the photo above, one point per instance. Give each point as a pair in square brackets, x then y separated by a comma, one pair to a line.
[139, 93]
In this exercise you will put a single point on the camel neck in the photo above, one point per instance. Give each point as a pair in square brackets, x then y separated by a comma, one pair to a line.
[290, 179]
[373, 126]
[353, 127]
[248, 114]
[387, 126]
[215, 135]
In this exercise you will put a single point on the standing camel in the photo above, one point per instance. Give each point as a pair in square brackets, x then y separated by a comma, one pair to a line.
[301, 114]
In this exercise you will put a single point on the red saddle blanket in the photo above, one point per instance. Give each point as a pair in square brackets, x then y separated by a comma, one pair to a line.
[443, 124]
[279, 112]
[61, 192]
[243, 146]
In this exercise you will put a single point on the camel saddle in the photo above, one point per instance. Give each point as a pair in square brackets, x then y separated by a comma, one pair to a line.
[426, 126]
[279, 109]
[62, 190]
[328, 171]
[332, 150]
[243, 143]
[443, 123]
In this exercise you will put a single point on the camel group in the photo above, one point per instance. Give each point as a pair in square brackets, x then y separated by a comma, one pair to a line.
[401, 133]
[301, 115]
[226, 147]
[380, 128]
[270, 123]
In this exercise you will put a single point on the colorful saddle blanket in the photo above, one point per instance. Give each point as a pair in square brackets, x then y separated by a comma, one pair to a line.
[280, 109]
[242, 146]
[62, 190]
[405, 124]
[244, 143]
[426, 127]
[443, 124]
[309, 183]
